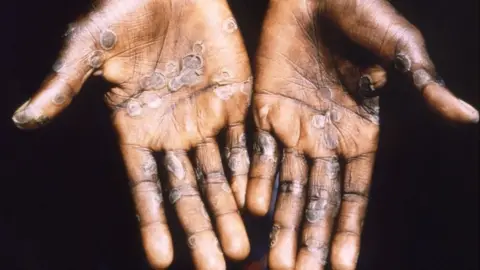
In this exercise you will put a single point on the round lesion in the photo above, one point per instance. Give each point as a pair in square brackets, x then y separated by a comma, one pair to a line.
[59, 99]
[96, 59]
[198, 47]
[192, 61]
[134, 108]
[229, 25]
[108, 39]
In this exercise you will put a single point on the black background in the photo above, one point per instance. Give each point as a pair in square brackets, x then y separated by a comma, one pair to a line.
[64, 199]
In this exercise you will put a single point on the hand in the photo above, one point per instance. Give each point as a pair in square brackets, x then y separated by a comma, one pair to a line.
[180, 74]
[322, 105]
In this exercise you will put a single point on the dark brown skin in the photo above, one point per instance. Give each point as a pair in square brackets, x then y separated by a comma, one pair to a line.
[180, 74]
[322, 106]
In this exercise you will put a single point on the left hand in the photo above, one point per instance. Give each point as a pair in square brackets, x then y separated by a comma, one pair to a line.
[323, 106]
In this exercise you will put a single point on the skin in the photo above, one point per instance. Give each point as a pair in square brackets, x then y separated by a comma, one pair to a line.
[313, 98]
[180, 74]
[310, 95]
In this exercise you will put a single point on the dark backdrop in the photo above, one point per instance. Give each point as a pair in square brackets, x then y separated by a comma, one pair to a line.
[64, 199]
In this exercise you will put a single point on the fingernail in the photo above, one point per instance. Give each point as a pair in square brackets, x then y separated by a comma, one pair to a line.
[20, 116]
[470, 110]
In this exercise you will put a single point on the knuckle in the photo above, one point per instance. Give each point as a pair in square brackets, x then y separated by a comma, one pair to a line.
[322, 204]
[356, 197]
[177, 193]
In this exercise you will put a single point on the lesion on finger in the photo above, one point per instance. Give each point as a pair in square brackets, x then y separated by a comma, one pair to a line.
[238, 161]
[317, 245]
[265, 147]
[192, 213]
[219, 194]
[194, 242]
[290, 202]
[292, 187]
[212, 180]
[27, 116]
[148, 199]
[321, 204]
[411, 58]
[174, 164]
[277, 229]
[324, 192]
[178, 192]
[236, 152]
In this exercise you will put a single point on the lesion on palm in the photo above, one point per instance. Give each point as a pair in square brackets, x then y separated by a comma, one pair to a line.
[174, 67]
[300, 93]
[179, 73]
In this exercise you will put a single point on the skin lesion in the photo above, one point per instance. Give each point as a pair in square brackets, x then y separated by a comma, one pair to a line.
[306, 82]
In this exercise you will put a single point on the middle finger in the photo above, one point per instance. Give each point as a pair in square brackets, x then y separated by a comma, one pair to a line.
[288, 211]
[193, 216]
[231, 230]
[323, 203]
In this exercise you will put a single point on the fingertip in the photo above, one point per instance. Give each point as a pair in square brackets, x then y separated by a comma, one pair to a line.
[206, 251]
[448, 106]
[283, 250]
[306, 261]
[257, 207]
[345, 251]
[22, 117]
[471, 111]
[233, 237]
[55, 95]
[279, 261]
[158, 246]
[258, 198]
[239, 188]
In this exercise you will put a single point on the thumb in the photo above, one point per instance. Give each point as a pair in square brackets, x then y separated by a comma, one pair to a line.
[84, 52]
[378, 27]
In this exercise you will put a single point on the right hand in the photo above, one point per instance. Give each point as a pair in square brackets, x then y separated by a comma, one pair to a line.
[180, 74]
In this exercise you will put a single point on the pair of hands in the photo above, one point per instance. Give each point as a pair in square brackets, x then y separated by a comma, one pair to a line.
[181, 74]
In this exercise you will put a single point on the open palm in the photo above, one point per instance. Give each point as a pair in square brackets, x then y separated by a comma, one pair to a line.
[323, 108]
[180, 74]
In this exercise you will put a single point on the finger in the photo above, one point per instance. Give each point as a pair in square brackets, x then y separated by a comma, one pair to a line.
[84, 52]
[372, 79]
[346, 241]
[378, 27]
[193, 216]
[238, 162]
[147, 195]
[322, 206]
[221, 201]
[259, 188]
[361, 81]
[288, 210]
